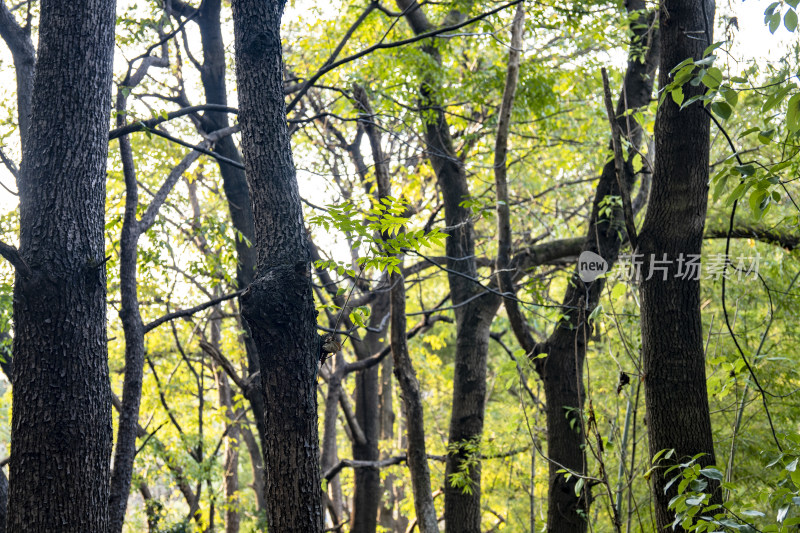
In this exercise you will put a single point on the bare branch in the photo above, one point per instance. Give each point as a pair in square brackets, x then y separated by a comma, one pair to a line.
[190, 311]
[145, 125]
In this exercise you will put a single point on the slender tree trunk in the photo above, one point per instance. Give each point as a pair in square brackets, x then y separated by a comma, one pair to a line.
[474, 313]
[61, 427]
[133, 329]
[279, 304]
[23, 54]
[672, 333]
[367, 490]
[403, 367]
[389, 485]
[562, 369]
[234, 182]
[330, 452]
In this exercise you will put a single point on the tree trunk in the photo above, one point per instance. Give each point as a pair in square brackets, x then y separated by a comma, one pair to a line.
[23, 54]
[562, 369]
[234, 182]
[279, 304]
[672, 333]
[474, 313]
[417, 457]
[61, 427]
[367, 489]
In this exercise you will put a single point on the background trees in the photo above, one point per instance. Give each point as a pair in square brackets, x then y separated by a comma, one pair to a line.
[436, 402]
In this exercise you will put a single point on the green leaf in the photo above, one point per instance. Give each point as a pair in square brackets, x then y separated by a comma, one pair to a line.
[731, 96]
[774, 22]
[637, 162]
[677, 95]
[793, 113]
[713, 78]
[790, 20]
[706, 61]
[578, 487]
[720, 187]
[722, 109]
[756, 201]
[782, 512]
[713, 47]
[618, 290]
[770, 10]
[712, 473]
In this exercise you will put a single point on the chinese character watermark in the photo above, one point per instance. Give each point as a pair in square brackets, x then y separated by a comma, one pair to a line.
[635, 267]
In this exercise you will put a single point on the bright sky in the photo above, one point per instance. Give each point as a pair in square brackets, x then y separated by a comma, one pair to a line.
[753, 41]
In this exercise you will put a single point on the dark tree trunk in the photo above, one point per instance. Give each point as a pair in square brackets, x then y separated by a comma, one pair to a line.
[279, 304]
[672, 333]
[125, 451]
[367, 489]
[561, 370]
[234, 182]
[403, 367]
[61, 428]
[474, 313]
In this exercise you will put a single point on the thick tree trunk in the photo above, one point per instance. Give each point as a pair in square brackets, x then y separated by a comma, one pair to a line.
[279, 304]
[61, 427]
[672, 333]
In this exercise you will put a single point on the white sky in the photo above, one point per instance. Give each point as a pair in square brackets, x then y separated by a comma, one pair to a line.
[753, 41]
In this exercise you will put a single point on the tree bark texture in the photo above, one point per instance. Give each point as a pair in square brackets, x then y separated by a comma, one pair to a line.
[279, 304]
[672, 333]
[61, 426]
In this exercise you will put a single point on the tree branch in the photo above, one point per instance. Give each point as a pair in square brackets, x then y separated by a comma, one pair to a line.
[190, 311]
[145, 125]
[13, 256]
[383, 46]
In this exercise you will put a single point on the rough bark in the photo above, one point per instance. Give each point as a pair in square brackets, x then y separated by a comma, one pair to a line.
[279, 304]
[61, 427]
[672, 334]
